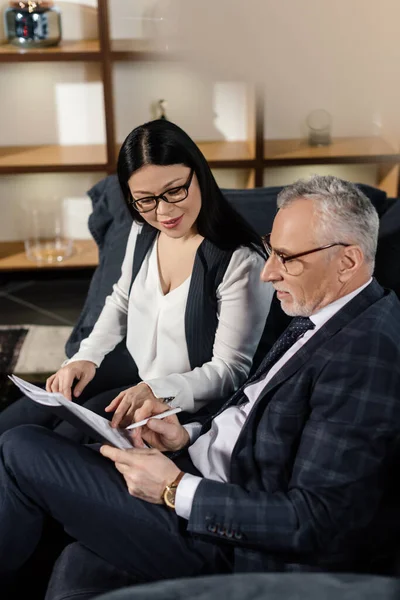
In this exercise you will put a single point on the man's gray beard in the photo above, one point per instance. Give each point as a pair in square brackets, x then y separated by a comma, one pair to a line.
[297, 311]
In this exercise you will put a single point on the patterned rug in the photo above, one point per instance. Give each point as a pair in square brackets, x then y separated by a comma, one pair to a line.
[11, 341]
[32, 351]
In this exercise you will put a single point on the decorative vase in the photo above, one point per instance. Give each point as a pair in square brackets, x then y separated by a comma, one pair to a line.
[33, 23]
[319, 124]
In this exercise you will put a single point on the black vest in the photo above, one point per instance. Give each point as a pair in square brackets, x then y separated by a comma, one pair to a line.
[201, 319]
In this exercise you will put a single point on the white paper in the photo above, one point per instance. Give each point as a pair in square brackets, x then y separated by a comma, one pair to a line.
[98, 423]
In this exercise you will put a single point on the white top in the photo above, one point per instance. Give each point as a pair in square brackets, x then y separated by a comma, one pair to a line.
[154, 326]
[211, 452]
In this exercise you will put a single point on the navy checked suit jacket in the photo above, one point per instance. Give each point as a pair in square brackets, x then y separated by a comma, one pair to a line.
[309, 470]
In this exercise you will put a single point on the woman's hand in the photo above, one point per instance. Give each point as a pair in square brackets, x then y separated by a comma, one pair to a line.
[62, 381]
[164, 434]
[128, 401]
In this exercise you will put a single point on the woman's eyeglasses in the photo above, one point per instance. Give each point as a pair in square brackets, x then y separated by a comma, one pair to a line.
[172, 196]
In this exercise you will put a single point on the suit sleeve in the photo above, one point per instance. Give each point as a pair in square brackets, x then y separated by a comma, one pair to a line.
[335, 483]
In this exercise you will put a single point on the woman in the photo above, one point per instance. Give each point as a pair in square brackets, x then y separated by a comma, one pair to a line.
[189, 300]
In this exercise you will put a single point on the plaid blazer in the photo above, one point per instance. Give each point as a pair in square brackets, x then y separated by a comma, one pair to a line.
[309, 471]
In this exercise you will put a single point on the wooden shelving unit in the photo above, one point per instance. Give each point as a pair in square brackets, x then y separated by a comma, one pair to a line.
[254, 156]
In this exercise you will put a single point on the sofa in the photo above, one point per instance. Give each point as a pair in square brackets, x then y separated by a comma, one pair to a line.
[265, 586]
[110, 223]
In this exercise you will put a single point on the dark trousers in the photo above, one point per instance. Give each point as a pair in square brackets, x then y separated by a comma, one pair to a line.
[117, 372]
[43, 474]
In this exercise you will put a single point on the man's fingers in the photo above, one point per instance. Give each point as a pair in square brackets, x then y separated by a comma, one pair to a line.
[150, 407]
[162, 427]
[126, 457]
[116, 402]
[114, 454]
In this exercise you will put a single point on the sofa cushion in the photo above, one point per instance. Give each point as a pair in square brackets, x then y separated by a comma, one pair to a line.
[109, 224]
[257, 206]
[387, 264]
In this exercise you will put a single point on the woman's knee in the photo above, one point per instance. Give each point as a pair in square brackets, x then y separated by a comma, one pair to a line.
[20, 442]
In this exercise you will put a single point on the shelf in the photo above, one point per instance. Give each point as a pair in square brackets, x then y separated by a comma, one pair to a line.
[138, 49]
[227, 154]
[53, 158]
[341, 151]
[85, 50]
[12, 257]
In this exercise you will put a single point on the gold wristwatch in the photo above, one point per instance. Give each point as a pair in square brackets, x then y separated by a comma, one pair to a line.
[169, 492]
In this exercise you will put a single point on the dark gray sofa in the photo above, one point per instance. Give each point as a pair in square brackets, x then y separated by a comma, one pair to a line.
[265, 586]
[110, 224]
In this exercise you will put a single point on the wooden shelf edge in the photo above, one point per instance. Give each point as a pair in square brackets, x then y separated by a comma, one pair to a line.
[138, 50]
[13, 258]
[81, 168]
[52, 158]
[80, 50]
[332, 160]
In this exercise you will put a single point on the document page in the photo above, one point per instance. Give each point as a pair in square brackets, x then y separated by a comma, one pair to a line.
[102, 426]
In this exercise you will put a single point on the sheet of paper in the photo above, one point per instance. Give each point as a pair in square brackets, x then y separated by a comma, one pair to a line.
[34, 392]
[98, 423]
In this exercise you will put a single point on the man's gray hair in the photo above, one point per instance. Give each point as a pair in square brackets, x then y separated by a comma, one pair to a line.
[345, 214]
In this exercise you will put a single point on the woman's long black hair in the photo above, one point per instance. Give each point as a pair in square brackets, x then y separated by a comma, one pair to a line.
[163, 143]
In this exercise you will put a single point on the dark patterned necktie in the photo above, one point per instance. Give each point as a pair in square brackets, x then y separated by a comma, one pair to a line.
[296, 328]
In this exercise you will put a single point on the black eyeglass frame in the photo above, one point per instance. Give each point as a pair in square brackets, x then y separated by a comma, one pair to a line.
[157, 199]
[284, 259]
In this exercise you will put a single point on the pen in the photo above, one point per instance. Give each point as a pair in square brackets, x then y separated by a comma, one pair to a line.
[167, 413]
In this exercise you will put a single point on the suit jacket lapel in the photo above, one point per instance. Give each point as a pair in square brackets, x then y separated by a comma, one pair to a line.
[350, 311]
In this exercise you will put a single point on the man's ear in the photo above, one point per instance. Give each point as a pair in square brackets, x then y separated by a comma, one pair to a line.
[351, 260]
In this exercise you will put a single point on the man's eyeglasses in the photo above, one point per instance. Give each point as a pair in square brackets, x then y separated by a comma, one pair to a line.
[172, 196]
[290, 262]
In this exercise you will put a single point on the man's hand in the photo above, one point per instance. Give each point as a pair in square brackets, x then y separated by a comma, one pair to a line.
[164, 434]
[62, 381]
[127, 402]
[146, 471]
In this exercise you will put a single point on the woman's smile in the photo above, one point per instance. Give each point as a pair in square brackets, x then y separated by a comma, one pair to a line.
[171, 223]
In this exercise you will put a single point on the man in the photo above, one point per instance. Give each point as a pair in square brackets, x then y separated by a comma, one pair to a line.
[292, 472]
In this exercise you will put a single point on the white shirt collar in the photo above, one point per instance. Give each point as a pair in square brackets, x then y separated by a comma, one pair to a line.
[323, 315]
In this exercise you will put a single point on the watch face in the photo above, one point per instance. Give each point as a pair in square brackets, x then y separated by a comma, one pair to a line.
[169, 497]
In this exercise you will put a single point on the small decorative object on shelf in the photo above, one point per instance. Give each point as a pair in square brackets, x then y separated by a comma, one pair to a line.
[319, 124]
[162, 109]
[33, 23]
[46, 242]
